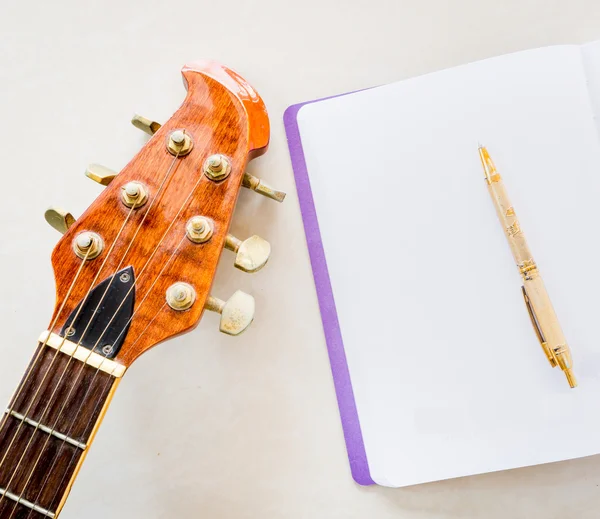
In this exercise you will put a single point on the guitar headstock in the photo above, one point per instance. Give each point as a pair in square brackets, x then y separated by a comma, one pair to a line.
[137, 267]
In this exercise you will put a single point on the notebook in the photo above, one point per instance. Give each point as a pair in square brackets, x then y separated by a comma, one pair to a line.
[437, 369]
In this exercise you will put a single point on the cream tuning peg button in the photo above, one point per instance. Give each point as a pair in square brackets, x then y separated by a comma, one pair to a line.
[256, 184]
[60, 219]
[100, 174]
[236, 314]
[252, 254]
[146, 125]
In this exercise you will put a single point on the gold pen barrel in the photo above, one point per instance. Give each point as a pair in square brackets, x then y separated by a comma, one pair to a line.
[536, 296]
[554, 343]
[505, 211]
[538, 332]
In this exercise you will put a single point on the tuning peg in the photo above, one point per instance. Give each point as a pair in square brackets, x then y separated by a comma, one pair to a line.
[146, 125]
[236, 314]
[60, 219]
[249, 181]
[252, 253]
[256, 184]
[100, 174]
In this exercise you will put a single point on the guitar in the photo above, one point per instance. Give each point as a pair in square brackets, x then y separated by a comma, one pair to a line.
[133, 271]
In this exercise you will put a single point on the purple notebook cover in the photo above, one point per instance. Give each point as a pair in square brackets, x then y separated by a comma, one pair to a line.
[333, 336]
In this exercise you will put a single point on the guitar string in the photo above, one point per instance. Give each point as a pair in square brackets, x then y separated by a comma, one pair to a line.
[64, 339]
[32, 402]
[87, 327]
[87, 427]
[11, 408]
[120, 334]
[90, 422]
[35, 360]
[175, 219]
[104, 388]
[90, 384]
[56, 354]
[79, 270]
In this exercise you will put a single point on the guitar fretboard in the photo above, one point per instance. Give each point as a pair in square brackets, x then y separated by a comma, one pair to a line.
[46, 431]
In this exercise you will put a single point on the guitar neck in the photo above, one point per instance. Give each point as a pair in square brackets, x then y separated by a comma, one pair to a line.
[46, 432]
[134, 270]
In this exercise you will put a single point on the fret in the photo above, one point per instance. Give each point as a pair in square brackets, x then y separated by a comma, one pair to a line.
[46, 429]
[46, 433]
[21, 510]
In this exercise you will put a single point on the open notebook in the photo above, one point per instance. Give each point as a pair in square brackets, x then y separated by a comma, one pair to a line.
[437, 369]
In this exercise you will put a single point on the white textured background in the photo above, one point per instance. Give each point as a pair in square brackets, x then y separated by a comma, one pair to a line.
[207, 425]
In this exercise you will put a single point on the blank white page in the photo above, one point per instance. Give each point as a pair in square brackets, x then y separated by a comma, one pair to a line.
[448, 376]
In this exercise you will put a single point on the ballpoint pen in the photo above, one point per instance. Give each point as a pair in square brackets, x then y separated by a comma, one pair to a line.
[542, 315]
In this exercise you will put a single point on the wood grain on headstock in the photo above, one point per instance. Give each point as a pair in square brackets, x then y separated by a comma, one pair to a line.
[223, 114]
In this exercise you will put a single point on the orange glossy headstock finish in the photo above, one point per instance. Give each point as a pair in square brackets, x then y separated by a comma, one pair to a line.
[222, 114]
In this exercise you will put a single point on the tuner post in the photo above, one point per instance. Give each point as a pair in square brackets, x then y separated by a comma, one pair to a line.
[88, 245]
[179, 143]
[217, 167]
[134, 194]
[181, 296]
[199, 229]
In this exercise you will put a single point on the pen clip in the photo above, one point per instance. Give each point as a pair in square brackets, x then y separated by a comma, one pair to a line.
[537, 328]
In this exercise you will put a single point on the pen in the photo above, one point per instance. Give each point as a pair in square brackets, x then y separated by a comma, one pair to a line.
[542, 315]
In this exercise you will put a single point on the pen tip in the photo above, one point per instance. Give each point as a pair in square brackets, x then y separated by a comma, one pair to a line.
[479, 146]
[570, 378]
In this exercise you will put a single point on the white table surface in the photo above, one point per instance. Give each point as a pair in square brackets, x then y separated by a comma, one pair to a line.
[207, 425]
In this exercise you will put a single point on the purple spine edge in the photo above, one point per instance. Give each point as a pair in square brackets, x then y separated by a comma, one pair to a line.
[355, 446]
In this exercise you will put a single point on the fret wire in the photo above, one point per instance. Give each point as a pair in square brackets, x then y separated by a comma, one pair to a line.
[28, 504]
[48, 430]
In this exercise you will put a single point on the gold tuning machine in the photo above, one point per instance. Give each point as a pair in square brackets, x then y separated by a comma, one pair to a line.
[258, 186]
[100, 174]
[250, 181]
[237, 313]
[59, 219]
[252, 254]
[146, 125]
